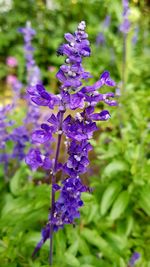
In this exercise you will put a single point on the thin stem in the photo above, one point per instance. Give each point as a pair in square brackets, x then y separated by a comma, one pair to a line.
[124, 59]
[52, 190]
[123, 78]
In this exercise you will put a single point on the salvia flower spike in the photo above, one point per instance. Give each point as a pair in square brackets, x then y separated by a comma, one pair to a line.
[78, 129]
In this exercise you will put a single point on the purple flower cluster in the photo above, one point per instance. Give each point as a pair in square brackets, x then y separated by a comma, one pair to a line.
[5, 123]
[125, 26]
[33, 72]
[21, 135]
[37, 160]
[4, 135]
[78, 129]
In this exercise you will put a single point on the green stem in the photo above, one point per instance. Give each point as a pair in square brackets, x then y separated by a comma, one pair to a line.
[124, 62]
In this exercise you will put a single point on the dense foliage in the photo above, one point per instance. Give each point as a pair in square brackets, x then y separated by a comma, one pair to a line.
[115, 218]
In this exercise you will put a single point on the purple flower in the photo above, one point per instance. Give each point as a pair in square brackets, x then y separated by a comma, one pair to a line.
[71, 74]
[104, 80]
[135, 36]
[45, 233]
[135, 256]
[100, 39]
[78, 158]
[102, 116]
[125, 26]
[21, 135]
[28, 34]
[77, 101]
[42, 98]
[78, 130]
[54, 121]
[66, 207]
[35, 159]
[42, 136]
[20, 138]
[34, 76]
[106, 22]
[4, 135]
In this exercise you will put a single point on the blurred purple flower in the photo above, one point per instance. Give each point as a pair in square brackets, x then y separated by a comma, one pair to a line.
[125, 26]
[33, 73]
[100, 39]
[135, 36]
[28, 34]
[135, 256]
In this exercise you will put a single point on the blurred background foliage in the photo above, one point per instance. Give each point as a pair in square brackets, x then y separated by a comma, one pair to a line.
[115, 221]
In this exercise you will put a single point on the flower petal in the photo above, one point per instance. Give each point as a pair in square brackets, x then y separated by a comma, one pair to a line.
[40, 136]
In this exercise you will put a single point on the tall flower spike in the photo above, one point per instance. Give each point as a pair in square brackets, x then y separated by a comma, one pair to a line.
[33, 71]
[4, 135]
[77, 129]
[21, 135]
[35, 158]
[28, 34]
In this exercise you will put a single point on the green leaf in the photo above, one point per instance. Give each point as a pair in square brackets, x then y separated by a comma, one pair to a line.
[95, 261]
[93, 213]
[18, 179]
[60, 244]
[86, 197]
[9, 204]
[129, 225]
[109, 196]
[32, 237]
[119, 205]
[73, 249]
[71, 260]
[15, 182]
[115, 167]
[118, 241]
[83, 247]
[92, 237]
[144, 201]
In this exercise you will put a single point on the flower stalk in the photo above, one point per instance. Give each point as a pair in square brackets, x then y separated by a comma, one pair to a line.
[52, 185]
[77, 129]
